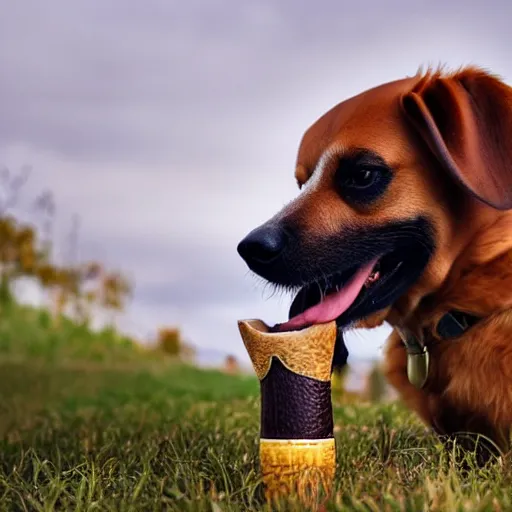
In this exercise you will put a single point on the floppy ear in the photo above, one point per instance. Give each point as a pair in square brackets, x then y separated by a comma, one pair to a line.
[466, 120]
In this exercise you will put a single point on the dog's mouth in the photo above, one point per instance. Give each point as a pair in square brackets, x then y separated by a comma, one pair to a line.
[352, 294]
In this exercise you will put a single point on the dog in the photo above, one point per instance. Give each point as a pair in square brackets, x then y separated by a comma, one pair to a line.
[404, 216]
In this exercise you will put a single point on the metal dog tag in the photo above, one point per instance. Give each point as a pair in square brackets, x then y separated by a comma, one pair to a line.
[418, 358]
[417, 368]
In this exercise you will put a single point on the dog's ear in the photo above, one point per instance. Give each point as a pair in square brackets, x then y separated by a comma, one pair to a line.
[466, 120]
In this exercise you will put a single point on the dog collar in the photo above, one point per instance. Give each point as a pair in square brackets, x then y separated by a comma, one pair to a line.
[455, 323]
[452, 324]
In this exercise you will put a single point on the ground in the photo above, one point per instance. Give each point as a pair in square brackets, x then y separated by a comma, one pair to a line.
[89, 422]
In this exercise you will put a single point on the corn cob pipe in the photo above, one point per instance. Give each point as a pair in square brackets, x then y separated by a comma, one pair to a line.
[297, 448]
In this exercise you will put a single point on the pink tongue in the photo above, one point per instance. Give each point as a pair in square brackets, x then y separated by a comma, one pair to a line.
[333, 305]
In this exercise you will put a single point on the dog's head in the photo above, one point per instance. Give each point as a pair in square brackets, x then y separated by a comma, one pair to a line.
[393, 182]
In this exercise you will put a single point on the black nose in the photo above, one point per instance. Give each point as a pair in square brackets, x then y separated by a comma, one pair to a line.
[262, 245]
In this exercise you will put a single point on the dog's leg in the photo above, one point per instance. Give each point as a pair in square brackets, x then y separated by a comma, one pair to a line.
[467, 432]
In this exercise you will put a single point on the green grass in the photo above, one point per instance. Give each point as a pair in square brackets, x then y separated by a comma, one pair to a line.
[132, 431]
[29, 334]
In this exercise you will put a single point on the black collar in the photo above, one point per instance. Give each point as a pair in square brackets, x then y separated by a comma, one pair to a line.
[452, 324]
[455, 323]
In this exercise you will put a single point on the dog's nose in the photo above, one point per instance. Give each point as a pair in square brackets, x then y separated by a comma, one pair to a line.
[262, 245]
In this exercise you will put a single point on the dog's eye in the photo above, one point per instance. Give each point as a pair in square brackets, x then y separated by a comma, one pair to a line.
[362, 184]
[362, 178]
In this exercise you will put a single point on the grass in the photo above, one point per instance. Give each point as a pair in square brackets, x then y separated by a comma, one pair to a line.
[115, 428]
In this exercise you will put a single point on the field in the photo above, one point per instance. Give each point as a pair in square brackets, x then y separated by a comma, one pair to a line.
[89, 422]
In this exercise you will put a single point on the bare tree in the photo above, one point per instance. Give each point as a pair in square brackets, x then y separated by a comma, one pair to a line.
[10, 187]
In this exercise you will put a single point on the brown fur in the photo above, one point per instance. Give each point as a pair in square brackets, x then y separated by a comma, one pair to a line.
[461, 176]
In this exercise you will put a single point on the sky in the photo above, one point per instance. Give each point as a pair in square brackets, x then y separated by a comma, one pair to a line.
[171, 128]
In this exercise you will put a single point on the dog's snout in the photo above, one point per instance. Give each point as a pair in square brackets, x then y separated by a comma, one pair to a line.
[263, 245]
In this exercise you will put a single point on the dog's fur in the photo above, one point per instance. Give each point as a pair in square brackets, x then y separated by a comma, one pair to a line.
[448, 139]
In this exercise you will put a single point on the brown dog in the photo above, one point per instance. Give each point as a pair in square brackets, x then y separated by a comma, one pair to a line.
[405, 216]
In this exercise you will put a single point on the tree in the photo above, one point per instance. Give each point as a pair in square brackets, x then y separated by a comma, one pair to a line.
[10, 186]
[114, 292]
[376, 384]
[26, 250]
[19, 254]
[338, 381]
[44, 207]
[66, 286]
[169, 341]
[231, 364]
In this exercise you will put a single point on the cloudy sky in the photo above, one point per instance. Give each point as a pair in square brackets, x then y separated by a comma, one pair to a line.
[171, 127]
